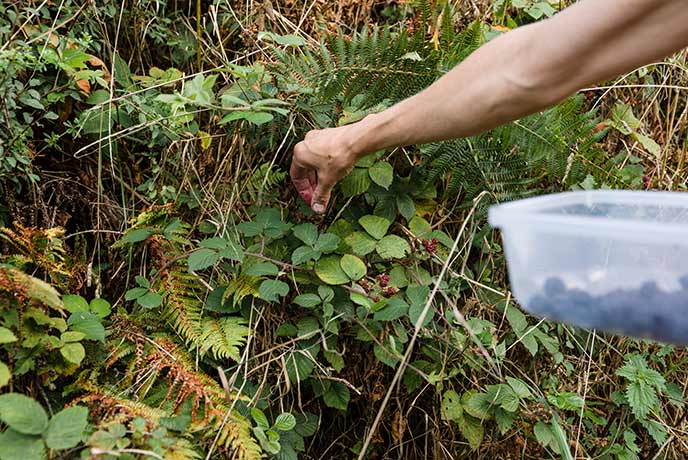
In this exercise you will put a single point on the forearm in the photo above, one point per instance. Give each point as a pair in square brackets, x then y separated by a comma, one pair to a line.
[529, 69]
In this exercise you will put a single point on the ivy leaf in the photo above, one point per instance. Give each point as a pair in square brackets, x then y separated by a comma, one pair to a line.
[18, 446]
[23, 414]
[354, 267]
[202, 259]
[392, 247]
[361, 244]
[329, 270]
[375, 226]
[285, 422]
[74, 303]
[66, 428]
[382, 174]
[337, 396]
[641, 397]
[73, 352]
[272, 290]
[308, 233]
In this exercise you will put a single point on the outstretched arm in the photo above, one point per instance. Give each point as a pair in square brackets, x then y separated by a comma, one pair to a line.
[517, 74]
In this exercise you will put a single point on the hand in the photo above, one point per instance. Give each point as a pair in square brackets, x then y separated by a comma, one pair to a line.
[322, 159]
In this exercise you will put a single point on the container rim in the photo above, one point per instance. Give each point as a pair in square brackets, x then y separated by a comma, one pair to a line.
[530, 210]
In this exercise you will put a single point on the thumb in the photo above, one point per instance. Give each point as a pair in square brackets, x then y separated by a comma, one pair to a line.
[321, 196]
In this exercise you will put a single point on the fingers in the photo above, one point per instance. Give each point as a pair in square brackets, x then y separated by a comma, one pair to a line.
[321, 195]
[302, 177]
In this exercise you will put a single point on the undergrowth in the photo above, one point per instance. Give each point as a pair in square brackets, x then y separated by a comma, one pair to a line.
[165, 294]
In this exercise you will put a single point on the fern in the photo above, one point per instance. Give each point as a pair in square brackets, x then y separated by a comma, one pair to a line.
[546, 151]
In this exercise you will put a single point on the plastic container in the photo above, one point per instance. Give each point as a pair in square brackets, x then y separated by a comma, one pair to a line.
[610, 260]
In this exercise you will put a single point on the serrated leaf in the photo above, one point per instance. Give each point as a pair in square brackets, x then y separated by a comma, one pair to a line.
[356, 183]
[308, 233]
[354, 267]
[656, 430]
[18, 446]
[23, 414]
[74, 303]
[329, 270]
[472, 429]
[567, 401]
[66, 428]
[406, 206]
[419, 226]
[299, 366]
[202, 259]
[327, 242]
[375, 226]
[392, 247]
[135, 236]
[382, 174]
[307, 327]
[303, 254]
[263, 269]
[360, 243]
[519, 387]
[451, 406]
[478, 405]
[272, 290]
[416, 309]
[337, 396]
[504, 419]
[285, 422]
[73, 352]
[307, 300]
[7, 336]
[89, 324]
[517, 320]
[543, 434]
[395, 309]
[641, 398]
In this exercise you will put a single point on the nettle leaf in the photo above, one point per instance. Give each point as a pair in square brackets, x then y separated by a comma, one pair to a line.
[272, 290]
[360, 243]
[329, 270]
[451, 406]
[354, 267]
[18, 446]
[202, 259]
[641, 397]
[382, 174]
[285, 422]
[23, 414]
[66, 428]
[392, 247]
[375, 226]
[308, 233]
[567, 401]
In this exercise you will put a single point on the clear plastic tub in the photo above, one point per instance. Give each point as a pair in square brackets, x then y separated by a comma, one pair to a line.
[610, 260]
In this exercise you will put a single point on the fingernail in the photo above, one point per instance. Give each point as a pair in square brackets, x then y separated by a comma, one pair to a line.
[318, 208]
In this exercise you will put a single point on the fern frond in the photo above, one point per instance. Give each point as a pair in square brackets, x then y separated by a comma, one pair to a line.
[17, 286]
[223, 337]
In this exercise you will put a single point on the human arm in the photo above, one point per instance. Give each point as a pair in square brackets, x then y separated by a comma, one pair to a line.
[516, 74]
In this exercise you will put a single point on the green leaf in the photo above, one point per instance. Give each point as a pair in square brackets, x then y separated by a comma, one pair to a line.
[519, 387]
[361, 244]
[285, 422]
[354, 267]
[395, 309]
[649, 144]
[472, 429]
[202, 259]
[382, 174]
[135, 236]
[150, 300]
[66, 428]
[308, 233]
[657, 430]
[23, 414]
[257, 118]
[307, 327]
[451, 406]
[406, 206]
[416, 309]
[89, 324]
[73, 352]
[517, 320]
[337, 396]
[135, 293]
[567, 401]
[375, 226]
[641, 397]
[392, 247]
[356, 183]
[419, 226]
[7, 336]
[98, 97]
[329, 270]
[263, 269]
[307, 300]
[299, 366]
[18, 446]
[74, 303]
[543, 434]
[72, 336]
[100, 307]
[260, 419]
[176, 423]
[272, 290]
[303, 254]
[5, 374]
[327, 242]
[479, 405]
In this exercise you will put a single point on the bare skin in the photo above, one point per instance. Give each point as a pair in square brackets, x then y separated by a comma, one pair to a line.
[521, 72]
